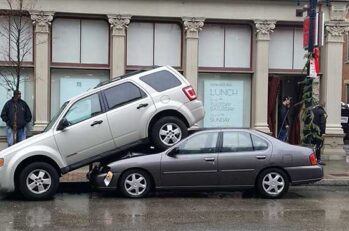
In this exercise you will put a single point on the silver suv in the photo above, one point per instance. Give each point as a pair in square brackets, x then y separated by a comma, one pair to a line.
[158, 105]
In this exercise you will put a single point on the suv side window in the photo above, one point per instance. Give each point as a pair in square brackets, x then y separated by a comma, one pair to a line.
[237, 142]
[123, 94]
[258, 143]
[161, 81]
[84, 109]
[202, 143]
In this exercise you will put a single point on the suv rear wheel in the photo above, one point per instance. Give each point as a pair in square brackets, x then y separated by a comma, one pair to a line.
[38, 181]
[168, 131]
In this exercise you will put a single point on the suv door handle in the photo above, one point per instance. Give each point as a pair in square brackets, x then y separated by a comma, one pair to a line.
[142, 105]
[209, 159]
[96, 122]
[261, 157]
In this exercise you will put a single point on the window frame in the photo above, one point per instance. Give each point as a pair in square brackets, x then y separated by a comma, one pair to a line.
[249, 70]
[108, 108]
[153, 22]
[216, 149]
[103, 108]
[7, 63]
[80, 65]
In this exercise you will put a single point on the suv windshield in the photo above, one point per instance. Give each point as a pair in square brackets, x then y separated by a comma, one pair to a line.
[52, 122]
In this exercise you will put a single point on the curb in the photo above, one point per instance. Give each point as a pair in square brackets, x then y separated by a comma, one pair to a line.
[332, 182]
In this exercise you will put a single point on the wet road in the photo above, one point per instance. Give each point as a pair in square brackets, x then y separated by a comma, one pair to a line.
[304, 208]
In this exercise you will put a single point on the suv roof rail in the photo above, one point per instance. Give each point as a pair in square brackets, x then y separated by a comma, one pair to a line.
[126, 75]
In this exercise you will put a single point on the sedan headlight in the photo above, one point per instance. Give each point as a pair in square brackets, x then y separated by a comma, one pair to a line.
[2, 162]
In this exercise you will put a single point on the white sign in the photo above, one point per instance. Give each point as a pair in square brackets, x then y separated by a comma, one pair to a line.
[344, 119]
[312, 70]
[223, 102]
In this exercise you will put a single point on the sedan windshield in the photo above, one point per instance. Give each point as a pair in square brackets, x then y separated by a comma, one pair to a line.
[52, 122]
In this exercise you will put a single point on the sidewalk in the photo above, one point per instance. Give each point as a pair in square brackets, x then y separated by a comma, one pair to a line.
[336, 172]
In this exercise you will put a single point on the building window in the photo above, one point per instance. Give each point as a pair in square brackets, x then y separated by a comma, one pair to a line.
[223, 51]
[286, 49]
[9, 36]
[67, 83]
[225, 46]
[160, 44]
[226, 98]
[81, 41]
[26, 87]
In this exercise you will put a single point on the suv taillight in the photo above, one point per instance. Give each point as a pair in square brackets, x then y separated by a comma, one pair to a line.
[190, 92]
[313, 159]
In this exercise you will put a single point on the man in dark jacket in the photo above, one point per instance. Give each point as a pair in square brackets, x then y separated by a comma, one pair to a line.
[283, 122]
[320, 117]
[16, 114]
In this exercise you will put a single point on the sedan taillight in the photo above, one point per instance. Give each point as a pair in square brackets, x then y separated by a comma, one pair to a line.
[190, 93]
[313, 159]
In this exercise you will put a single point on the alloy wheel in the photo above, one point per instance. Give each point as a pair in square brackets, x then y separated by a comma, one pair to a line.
[135, 184]
[273, 183]
[170, 134]
[38, 181]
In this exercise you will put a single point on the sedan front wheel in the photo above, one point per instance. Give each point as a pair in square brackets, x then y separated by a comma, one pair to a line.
[135, 184]
[272, 183]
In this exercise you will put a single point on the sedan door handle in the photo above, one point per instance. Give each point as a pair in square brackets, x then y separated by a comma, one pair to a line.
[261, 157]
[209, 159]
[96, 122]
[142, 105]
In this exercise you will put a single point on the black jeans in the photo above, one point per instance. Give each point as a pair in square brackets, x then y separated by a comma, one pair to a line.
[318, 145]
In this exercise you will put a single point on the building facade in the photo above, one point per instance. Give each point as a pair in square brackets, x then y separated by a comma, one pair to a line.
[240, 56]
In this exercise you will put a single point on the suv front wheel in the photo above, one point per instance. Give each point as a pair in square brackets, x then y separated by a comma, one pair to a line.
[38, 181]
[168, 131]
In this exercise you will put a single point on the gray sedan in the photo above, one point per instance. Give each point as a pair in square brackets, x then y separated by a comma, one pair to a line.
[217, 159]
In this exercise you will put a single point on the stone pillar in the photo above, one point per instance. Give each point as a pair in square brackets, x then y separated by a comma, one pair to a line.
[42, 21]
[192, 26]
[261, 74]
[119, 24]
[331, 88]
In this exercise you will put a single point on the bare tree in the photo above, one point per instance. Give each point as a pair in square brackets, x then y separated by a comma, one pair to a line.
[16, 36]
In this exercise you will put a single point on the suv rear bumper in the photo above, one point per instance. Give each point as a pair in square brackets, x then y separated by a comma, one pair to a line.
[193, 111]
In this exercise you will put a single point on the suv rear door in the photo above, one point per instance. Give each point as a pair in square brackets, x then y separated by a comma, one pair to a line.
[130, 109]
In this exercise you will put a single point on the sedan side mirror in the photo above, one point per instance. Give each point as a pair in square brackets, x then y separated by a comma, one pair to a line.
[63, 124]
[173, 152]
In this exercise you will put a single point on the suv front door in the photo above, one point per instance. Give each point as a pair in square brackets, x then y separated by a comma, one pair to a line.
[88, 133]
[129, 112]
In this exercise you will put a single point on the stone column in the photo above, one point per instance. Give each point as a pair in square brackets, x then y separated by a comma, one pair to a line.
[42, 21]
[261, 74]
[119, 24]
[192, 26]
[331, 88]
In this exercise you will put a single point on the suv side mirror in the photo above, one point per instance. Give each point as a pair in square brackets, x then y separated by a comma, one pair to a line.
[63, 124]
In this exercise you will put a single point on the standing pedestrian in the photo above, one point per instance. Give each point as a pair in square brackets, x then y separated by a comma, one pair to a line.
[283, 122]
[16, 114]
[320, 117]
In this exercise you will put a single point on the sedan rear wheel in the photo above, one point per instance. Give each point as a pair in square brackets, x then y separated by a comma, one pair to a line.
[272, 183]
[135, 183]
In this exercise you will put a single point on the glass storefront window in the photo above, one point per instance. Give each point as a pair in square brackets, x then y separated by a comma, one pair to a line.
[67, 83]
[26, 87]
[226, 98]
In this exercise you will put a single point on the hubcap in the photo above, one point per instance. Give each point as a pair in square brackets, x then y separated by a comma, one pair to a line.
[39, 181]
[135, 184]
[273, 183]
[170, 134]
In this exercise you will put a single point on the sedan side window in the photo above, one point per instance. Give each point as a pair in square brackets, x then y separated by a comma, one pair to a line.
[259, 143]
[84, 109]
[237, 142]
[202, 143]
[123, 94]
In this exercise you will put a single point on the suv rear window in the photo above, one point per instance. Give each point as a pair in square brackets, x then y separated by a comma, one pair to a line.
[161, 81]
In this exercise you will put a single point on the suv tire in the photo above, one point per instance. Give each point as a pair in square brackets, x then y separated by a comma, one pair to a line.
[135, 183]
[272, 183]
[38, 181]
[168, 131]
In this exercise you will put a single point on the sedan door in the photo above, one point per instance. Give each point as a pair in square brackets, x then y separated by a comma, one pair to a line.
[88, 133]
[192, 164]
[241, 157]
